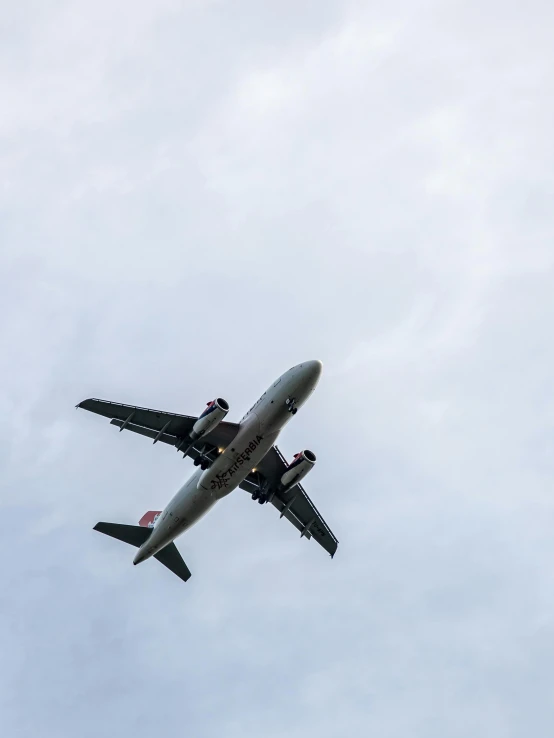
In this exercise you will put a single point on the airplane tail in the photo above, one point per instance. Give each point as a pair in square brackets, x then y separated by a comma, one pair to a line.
[136, 535]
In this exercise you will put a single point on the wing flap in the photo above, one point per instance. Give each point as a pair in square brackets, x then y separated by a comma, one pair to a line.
[148, 432]
[307, 514]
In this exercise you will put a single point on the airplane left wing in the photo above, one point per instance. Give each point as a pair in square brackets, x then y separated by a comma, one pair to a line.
[162, 426]
[294, 505]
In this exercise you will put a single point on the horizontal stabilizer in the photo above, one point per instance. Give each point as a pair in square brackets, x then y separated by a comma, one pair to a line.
[133, 534]
[170, 557]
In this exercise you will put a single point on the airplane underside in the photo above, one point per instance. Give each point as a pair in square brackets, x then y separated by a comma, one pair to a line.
[229, 455]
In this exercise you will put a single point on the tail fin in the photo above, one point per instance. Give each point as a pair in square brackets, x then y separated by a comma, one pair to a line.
[169, 556]
[149, 519]
[133, 534]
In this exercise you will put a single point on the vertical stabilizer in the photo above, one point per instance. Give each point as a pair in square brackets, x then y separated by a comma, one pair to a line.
[148, 520]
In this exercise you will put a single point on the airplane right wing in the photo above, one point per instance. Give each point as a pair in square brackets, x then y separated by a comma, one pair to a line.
[294, 504]
[162, 426]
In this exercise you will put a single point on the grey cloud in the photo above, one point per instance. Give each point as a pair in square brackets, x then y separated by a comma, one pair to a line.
[192, 200]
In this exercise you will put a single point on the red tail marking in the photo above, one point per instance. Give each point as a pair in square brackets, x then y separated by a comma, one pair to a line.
[149, 518]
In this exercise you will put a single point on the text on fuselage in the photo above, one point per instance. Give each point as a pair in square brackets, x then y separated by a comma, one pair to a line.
[222, 480]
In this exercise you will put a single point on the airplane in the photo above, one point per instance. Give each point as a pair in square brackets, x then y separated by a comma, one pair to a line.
[228, 455]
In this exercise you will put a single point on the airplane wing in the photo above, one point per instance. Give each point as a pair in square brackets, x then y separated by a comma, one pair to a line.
[158, 425]
[294, 505]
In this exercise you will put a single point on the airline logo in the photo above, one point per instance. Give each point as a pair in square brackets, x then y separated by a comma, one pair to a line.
[222, 479]
[148, 520]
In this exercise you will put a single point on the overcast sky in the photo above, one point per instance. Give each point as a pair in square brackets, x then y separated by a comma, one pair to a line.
[193, 197]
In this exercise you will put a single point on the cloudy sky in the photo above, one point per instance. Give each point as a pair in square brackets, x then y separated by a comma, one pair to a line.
[193, 197]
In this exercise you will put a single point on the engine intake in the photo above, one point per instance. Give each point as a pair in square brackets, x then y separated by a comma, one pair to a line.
[302, 463]
[214, 413]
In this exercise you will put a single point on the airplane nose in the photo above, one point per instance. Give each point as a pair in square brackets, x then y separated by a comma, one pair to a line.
[313, 368]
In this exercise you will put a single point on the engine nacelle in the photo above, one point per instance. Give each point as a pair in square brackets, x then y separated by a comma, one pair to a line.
[298, 468]
[212, 416]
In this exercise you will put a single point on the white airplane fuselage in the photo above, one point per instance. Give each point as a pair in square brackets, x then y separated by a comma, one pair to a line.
[258, 432]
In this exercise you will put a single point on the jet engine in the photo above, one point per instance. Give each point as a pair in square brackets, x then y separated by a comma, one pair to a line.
[212, 416]
[298, 468]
